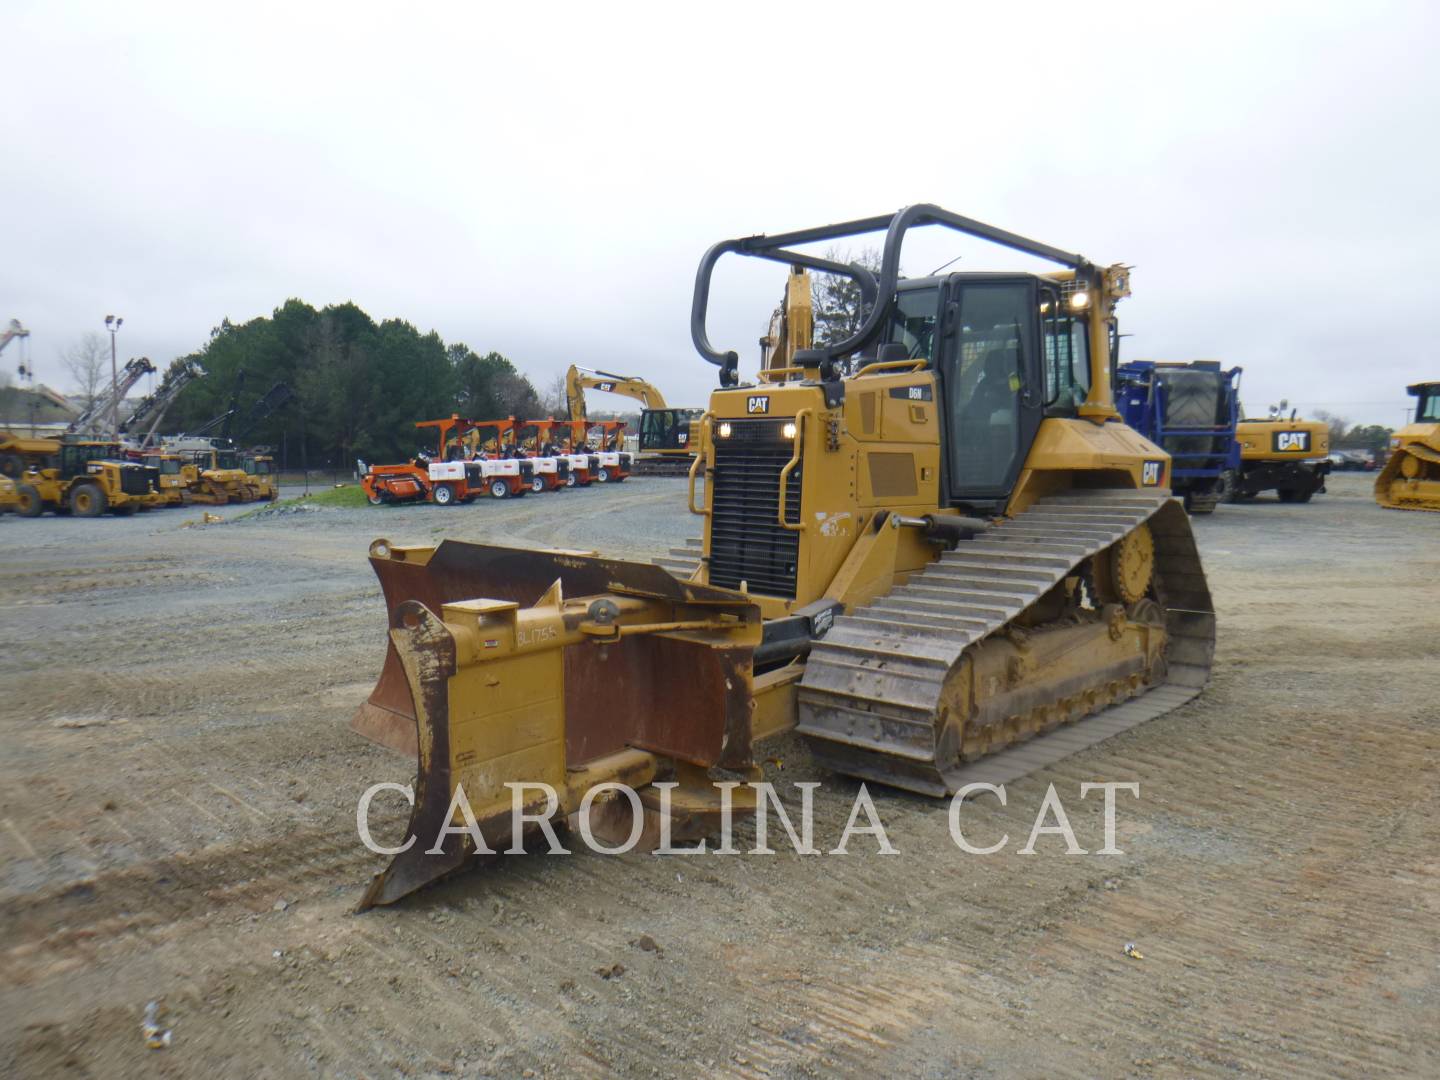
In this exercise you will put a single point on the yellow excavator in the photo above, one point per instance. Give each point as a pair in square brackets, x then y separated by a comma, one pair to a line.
[1410, 479]
[1281, 453]
[931, 548]
[666, 432]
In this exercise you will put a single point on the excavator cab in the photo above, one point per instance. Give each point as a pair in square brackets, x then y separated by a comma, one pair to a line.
[931, 549]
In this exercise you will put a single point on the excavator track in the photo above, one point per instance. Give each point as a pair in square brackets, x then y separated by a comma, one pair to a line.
[1391, 479]
[870, 699]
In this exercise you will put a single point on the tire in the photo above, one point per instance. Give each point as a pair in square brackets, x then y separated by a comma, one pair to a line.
[1288, 495]
[499, 489]
[603, 475]
[373, 497]
[570, 479]
[1225, 486]
[1303, 496]
[87, 500]
[127, 509]
[444, 495]
[29, 504]
[538, 484]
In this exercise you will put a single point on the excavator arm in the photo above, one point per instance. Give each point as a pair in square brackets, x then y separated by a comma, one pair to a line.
[578, 380]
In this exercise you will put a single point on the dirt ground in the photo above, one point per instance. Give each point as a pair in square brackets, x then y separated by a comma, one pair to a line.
[178, 789]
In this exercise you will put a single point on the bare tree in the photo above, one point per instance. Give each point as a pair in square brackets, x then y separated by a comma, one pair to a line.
[556, 400]
[1339, 425]
[88, 362]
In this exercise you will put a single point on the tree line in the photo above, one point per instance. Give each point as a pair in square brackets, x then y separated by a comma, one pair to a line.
[358, 386]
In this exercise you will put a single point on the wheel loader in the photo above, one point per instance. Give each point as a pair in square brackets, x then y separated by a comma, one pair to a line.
[86, 479]
[1410, 479]
[932, 549]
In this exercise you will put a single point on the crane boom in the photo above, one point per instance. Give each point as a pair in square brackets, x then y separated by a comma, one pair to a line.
[89, 421]
[14, 330]
[154, 407]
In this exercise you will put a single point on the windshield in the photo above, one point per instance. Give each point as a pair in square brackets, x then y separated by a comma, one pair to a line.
[169, 466]
[912, 323]
[226, 460]
[1428, 411]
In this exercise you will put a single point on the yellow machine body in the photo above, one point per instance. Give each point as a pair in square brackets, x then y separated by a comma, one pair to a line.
[260, 476]
[216, 478]
[1410, 479]
[176, 477]
[664, 431]
[1287, 456]
[916, 559]
[86, 479]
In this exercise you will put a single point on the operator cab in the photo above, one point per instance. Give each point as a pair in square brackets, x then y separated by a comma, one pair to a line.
[1020, 353]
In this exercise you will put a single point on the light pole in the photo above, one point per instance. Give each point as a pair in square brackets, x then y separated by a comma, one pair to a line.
[112, 323]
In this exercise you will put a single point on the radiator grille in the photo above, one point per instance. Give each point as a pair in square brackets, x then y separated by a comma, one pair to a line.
[133, 480]
[746, 541]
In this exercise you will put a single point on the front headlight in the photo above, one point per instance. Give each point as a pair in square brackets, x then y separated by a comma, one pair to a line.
[724, 430]
[789, 430]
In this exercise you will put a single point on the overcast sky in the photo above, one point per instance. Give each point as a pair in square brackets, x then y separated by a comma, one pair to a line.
[543, 181]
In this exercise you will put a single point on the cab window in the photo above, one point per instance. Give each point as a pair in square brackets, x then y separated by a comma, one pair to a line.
[1067, 355]
[912, 322]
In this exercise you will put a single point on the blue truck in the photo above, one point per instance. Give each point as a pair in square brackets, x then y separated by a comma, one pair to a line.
[1190, 410]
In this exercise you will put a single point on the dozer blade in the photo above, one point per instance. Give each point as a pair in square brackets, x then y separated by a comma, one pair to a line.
[1410, 479]
[942, 682]
[509, 667]
[455, 570]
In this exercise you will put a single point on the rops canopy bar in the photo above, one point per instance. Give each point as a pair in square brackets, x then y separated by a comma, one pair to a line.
[775, 248]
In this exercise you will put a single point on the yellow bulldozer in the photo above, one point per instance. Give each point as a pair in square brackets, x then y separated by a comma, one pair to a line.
[260, 475]
[86, 478]
[931, 548]
[1410, 479]
[216, 477]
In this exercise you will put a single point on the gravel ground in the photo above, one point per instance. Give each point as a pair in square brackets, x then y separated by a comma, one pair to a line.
[177, 822]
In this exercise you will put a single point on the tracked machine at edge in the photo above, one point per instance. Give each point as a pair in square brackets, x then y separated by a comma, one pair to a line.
[933, 549]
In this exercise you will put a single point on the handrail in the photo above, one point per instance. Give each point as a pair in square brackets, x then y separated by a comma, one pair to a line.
[695, 465]
[788, 469]
[892, 365]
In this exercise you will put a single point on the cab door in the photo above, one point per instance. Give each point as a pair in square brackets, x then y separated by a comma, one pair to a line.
[991, 381]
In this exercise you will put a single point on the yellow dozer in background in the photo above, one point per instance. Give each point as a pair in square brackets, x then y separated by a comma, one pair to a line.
[932, 549]
[1410, 479]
